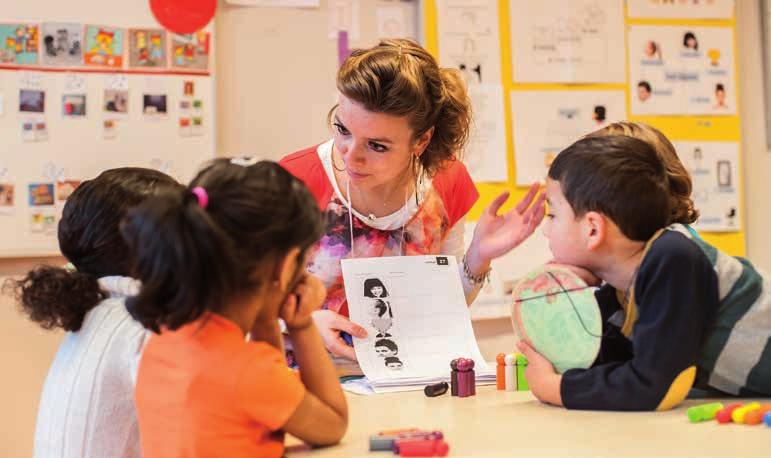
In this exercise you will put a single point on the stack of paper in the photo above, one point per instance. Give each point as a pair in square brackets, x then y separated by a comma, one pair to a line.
[415, 313]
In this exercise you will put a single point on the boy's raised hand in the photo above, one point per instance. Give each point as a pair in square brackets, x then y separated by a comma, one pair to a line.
[307, 297]
[544, 381]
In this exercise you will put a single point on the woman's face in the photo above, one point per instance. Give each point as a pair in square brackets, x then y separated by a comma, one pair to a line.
[377, 148]
[376, 291]
[690, 43]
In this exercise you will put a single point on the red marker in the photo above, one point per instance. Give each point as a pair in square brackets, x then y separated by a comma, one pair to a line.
[421, 447]
[724, 415]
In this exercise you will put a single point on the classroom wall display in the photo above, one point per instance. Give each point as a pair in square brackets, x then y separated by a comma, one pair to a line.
[104, 46]
[190, 51]
[67, 121]
[485, 153]
[546, 122]
[147, 48]
[714, 170]
[681, 70]
[62, 44]
[19, 44]
[685, 9]
[568, 42]
[468, 33]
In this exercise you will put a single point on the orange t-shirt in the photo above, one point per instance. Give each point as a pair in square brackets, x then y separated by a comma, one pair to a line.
[203, 391]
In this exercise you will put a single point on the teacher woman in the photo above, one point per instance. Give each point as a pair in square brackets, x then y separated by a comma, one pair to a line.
[390, 183]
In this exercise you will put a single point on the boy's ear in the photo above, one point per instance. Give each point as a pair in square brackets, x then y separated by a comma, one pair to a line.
[595, 229]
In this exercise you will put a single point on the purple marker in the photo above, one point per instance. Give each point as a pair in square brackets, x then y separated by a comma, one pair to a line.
[342, 46]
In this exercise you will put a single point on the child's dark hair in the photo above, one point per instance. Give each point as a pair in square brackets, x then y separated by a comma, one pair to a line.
[390, 344]
[373, 283]
[618, 176]
[192, 259]
[89, 237]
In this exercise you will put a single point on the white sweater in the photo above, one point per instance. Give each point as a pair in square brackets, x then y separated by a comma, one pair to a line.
[87, 405]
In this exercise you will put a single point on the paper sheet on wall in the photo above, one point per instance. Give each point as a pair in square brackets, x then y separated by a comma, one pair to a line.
[415, 313]
[395, 21]
[546, 122]
[568, 42]
[343, 15]
[710, 9]
[714, 170]
[469, 40]
[485, 154]
[681, 70]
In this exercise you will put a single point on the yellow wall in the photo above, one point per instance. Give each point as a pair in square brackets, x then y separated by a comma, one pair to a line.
[725, 128]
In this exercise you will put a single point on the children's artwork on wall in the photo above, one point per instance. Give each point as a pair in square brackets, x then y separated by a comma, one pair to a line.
[115, 101]
[104, 46]
[679, 70]
[147, 48]
[19, 44]
[41, 194]
[190, 51]
[109, 129]
[685, 9]
[7, 194]
[42, 220]
[62, 44]
[154, 104]
[31, 101]
[74, 105]
[65, 188]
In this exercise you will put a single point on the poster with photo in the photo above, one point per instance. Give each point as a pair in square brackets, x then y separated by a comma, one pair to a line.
[681, 70]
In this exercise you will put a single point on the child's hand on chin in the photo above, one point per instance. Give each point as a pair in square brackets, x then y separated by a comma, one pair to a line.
[299, 306]
[540, 374]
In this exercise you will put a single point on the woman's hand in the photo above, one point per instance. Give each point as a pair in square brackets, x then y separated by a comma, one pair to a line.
[329, 324]
[496, 235]
[543, 380]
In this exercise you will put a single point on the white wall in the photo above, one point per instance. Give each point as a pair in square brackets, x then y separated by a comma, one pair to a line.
[757, 158]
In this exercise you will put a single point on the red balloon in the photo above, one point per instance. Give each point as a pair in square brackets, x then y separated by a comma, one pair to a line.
[183, 16]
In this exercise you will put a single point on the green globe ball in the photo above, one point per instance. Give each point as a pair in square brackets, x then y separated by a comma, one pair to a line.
[555, 311]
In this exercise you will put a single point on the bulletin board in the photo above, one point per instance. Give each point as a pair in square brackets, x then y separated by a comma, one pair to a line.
[681, 129]
[107, 88]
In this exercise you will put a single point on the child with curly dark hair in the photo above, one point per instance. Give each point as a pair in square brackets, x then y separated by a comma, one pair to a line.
[87, 404]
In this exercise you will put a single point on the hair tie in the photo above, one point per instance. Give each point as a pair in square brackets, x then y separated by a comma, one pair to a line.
[202, 195]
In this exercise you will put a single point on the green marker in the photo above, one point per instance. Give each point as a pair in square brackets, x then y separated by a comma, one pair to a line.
[704, 412]
[521, 366]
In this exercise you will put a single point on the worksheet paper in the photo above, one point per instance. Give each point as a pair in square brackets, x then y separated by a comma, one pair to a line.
[546, 122]
[692, 9]
[469, 40]
[681, 70]
[416, 317]
[576, 41]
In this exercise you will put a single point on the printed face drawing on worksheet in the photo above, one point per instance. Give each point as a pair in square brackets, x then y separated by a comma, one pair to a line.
[386, 348]
[393, 363]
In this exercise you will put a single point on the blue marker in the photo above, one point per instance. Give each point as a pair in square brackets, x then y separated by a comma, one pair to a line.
[347, 338]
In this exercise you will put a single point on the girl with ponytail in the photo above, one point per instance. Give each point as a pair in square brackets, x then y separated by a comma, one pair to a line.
[87, 404]
[390, 181]
[219, 260]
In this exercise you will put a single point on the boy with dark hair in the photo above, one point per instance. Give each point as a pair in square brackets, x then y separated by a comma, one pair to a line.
[686, 315]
